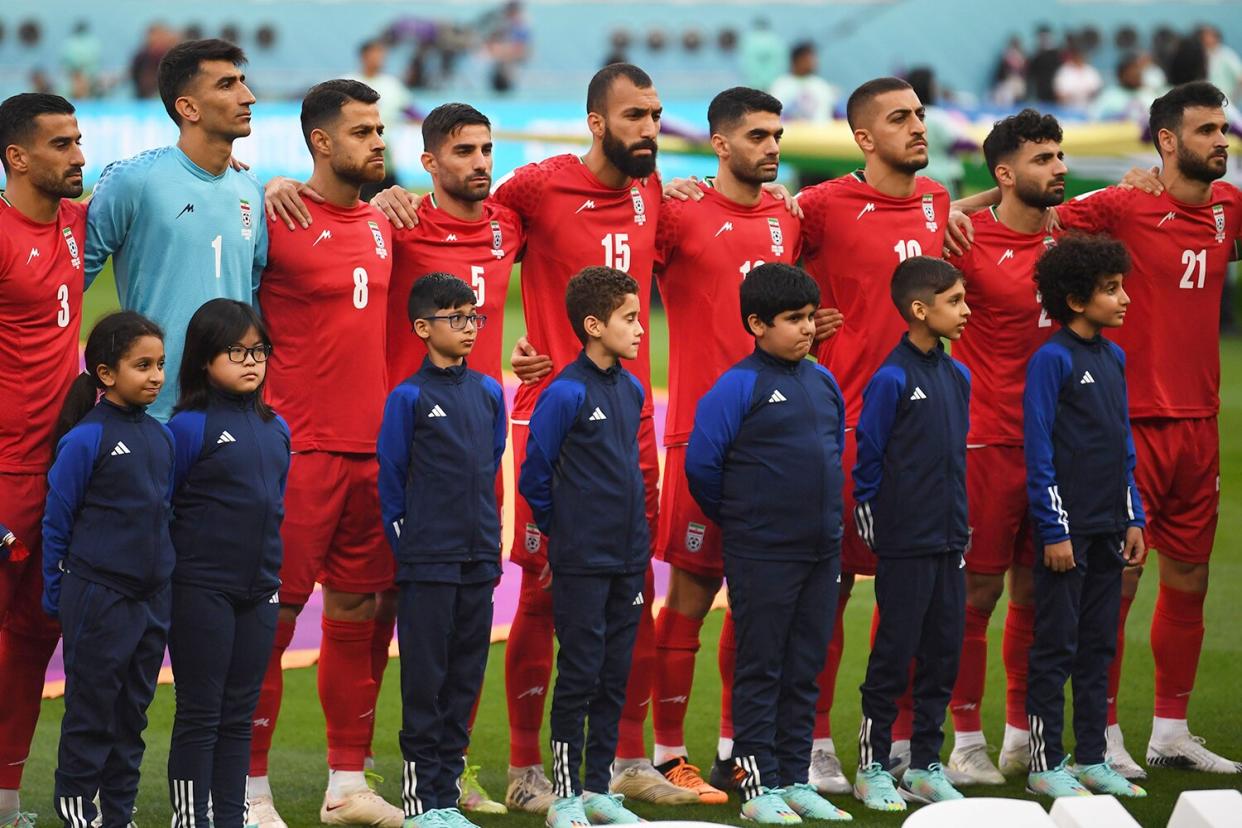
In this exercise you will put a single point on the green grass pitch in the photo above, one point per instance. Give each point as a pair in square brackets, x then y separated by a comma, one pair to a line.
[298, 770]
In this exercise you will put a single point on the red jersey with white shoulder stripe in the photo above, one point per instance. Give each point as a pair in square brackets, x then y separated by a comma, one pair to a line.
[41, 308]
[324, 297]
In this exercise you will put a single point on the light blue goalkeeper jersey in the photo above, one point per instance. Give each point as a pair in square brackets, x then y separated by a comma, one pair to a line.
[179, 236]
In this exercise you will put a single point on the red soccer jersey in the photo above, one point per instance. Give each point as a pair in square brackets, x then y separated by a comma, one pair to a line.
[853, 236]
[1178, 257]
[480, 253]
[704, 249]
[324, 297]
[1007, 325]
[573, 221]
[41, 309]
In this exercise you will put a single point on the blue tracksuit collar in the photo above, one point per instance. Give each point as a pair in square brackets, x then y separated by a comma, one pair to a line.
[1094, 342]
[775, 361]
[934, 355]
[608, 375]
[231, 400]
[128, 412]
[454, 373]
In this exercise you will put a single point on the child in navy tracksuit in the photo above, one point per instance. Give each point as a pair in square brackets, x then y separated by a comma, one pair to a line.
[1087, 512]
[910, 489]
[107, 559]
[584, 486]
[439, 448]
[232, 458]
[764, 462]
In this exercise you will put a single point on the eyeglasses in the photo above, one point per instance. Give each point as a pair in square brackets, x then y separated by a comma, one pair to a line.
[458, 321]
[259, 353]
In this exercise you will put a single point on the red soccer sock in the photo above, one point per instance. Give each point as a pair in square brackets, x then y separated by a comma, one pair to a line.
[380, 640]
[268, 708]
[23, 663]
[971, 673]
[1015, 649]
[1176, 641]
[631, 743]
[677, 643]
[1114, 672]
[528, 669]
[828, 676]
[347, 691]
[726, 661]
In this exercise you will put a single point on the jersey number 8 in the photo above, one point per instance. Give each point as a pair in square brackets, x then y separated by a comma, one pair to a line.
[361, 291]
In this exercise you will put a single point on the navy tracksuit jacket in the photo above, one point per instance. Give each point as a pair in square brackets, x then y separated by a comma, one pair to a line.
[439, 448]
[764, 462]
[107, 559]
[910, 490]
[228, 504]
[1080, 481]
[582, 480]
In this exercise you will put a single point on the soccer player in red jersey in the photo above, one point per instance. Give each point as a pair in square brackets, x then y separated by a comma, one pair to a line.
[41, 237]
[324, 295]
[1023, 153]
[1180, 243]
[704, 249]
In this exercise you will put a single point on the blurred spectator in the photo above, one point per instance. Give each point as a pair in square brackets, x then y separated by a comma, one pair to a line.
[1043, 65]
[1224, 67]
[1188, 62]
[943, 134]
[1009, 79]
[394, 98]
[805, 95]
[40, 81]
[79, 57]
[763, 55]
[1129, 98]
[146, 61]
[1077, 82]
[508, 44]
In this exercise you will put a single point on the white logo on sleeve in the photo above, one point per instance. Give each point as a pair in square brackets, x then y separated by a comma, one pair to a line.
[596, 415]
[120, 449]
[225, 437]
[918, 394]
[1087, 379]
[437, 411]
[777, 397]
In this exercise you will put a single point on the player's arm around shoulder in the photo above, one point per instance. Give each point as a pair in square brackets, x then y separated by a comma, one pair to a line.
[115, 205]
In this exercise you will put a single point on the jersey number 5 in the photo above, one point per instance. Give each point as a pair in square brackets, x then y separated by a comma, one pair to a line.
[480, 286]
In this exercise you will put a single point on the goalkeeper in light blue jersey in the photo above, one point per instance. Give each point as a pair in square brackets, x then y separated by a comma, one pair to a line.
[182, 226]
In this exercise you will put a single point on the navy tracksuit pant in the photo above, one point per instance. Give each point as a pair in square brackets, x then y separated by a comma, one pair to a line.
[922, 602]
[444, 630]
[220, 648]
[596, 621]
[113, 649]
[1076, 615]
[783, 613]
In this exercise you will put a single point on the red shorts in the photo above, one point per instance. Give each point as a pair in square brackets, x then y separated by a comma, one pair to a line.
[687, 540]
[333, 530]
[999, 512]
[856, 558]
[22, 498]
[1178, 476]
[530, 546]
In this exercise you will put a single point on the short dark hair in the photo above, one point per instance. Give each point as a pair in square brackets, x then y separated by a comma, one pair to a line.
[802, 47]
[1074, 268]
[17, 118]
[323, 102]
[183, 61]
[437, 291]
[923, 278]
[1167, 110]
[773, 288]
[734, 104]
[601, 84]
[214, 327]
[443, 122]
[596, 291]
[1008, 135]
[369, 44]
[867, 93]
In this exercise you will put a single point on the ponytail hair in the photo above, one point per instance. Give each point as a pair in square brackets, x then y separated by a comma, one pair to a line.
[214, 327]
[110, 340]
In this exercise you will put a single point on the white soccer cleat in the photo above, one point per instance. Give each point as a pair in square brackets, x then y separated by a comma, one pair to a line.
[641, 782]
[826, 774]
[899, 755]
[529, 790]
[361, 807]
[1115, 754]
[261, 813]
[1188, 752]
[972, 766]
[1015, 759]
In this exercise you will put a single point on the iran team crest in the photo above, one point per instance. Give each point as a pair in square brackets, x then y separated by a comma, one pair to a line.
[694, 536]
[498, 241]
[640, 209]
[72, 244]
[778, 249]
[532, 539]
[1218, 215]
[380, 249]
[929, 213]
[247, 220]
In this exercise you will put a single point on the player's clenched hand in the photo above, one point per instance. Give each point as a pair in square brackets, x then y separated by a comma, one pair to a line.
[959, 233]
[1059, 557]
[528, 364]
[399, 204]
[791, 203]
[1135, 549]
[684, 189]
[282, 198]
[1146, 180]
[827, 322]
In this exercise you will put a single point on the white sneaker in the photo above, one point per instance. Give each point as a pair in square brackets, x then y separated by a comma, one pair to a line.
[1015, 759]
[1115, 754]
[643, 783]
[899, 753]
[361, 807]
[972, 766]
[1187, 752]
[529, 790]
[261, 813]
[826, 773]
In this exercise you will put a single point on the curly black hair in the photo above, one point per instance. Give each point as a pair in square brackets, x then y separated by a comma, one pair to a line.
[1074, 268]
[1009, 134]
[596, 291]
